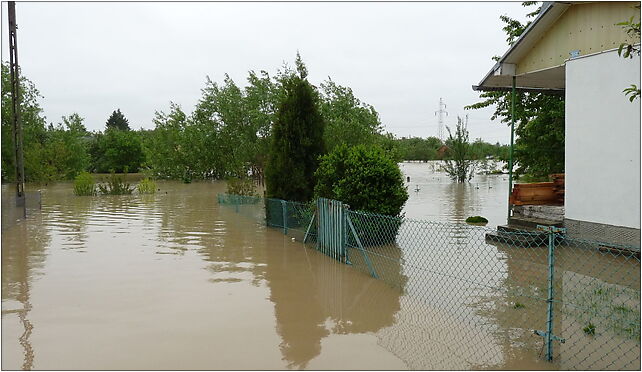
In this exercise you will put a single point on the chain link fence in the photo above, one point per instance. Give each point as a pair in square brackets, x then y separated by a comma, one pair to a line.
[574, 303]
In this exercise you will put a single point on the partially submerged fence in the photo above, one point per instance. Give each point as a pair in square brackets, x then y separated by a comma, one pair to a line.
[575, 303]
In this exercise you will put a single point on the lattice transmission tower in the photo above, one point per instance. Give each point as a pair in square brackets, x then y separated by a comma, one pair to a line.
[440, 115]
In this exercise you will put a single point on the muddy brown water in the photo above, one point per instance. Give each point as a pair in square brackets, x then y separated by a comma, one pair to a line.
[175, 281]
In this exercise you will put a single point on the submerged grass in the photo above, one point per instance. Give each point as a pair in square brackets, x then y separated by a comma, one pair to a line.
[146, 186]
[115, 185]
[84, 185]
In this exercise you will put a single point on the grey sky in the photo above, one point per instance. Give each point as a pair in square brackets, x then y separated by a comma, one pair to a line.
[92, 58]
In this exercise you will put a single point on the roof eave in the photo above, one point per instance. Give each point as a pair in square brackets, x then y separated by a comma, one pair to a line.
[549, 9]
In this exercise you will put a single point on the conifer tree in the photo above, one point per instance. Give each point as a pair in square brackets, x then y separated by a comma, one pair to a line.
[297, 141]
[117, 121]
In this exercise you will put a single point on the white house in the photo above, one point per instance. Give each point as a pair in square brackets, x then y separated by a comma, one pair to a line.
[571, 49]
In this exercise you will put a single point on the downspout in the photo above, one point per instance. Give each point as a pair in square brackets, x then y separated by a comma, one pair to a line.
[510, 156]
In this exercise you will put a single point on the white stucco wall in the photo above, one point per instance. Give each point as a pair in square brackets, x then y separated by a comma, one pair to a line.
[602, 140]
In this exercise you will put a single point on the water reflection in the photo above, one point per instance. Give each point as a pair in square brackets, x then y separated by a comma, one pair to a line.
[23, 255]
[320, 298]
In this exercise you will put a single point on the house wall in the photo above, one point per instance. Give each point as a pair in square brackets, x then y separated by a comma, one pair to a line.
[587, 27]
[602, 144]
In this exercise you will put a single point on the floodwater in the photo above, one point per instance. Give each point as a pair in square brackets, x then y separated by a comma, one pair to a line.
[440, 199]
[175, 281]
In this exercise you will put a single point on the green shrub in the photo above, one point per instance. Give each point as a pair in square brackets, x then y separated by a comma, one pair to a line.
[241, 186]
[115, 185]
[365, 178]
[84, 185]
[146, 186]
[476, 219]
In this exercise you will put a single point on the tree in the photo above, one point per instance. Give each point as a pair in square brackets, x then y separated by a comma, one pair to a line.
[229, 132]
[348, 120]
[117, 150]
[534, 155]
[34, 131]
[67, 147]
[117, 121]
[166, 147]
[297, 141]
[459, 165]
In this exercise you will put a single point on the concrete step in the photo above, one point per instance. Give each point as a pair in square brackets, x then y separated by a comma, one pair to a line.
[530, 222]
[518, 236]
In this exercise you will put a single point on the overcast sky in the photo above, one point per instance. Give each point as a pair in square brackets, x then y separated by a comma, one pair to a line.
[92, 58]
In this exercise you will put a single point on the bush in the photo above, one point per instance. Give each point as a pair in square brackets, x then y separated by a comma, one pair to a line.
[368, 180]
[115, 185]
[146, 186]
[84, 185]
[241, 186]
[365, 178]
[476, 219]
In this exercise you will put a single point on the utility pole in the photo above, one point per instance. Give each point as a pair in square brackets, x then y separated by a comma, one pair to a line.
[440, 113]
[15, 105]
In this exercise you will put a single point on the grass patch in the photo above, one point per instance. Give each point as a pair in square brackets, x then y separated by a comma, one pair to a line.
[146, 186]
[115, 185]
[589, 329]
[84, 185]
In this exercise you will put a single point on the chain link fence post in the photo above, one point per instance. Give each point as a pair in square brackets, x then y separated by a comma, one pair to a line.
[284, 207]
[548, 334]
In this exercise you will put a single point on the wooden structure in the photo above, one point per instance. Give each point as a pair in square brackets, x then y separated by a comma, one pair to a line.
[539, 193]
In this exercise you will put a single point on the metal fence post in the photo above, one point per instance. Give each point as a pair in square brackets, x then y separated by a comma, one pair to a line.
[285, 216]
[344, 233]
[548, 335]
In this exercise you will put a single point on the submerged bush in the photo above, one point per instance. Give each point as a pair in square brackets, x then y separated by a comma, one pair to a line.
[115, 185]
[84, 185]
[368, 180]
[146, 186]
[241, 186]
[476, 219]
[365, 178]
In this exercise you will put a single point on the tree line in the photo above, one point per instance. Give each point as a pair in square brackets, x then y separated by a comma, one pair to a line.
[432, 148]
[228, 131]
[226, 134]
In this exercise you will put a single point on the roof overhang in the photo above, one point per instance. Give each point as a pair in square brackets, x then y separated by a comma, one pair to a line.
[550, 79]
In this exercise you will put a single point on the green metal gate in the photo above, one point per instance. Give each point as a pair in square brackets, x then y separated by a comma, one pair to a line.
[331, 227]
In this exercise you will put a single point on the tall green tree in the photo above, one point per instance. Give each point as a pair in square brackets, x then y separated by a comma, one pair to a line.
[117, 121]
[297, 141]
[533, 155]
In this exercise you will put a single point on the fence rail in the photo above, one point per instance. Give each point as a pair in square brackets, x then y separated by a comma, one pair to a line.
[575, 303]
